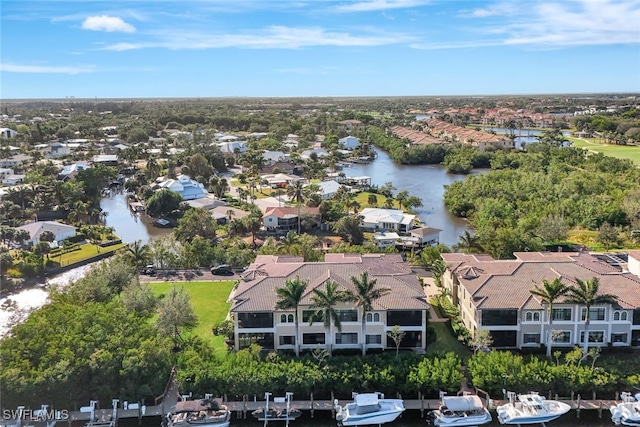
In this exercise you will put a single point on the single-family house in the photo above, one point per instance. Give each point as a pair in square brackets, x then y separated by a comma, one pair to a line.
[105, 159]
[328, 189]
[59, 230]
[5, 172]
[272, 157]
[495, 295]
[57, 150]
[386, 239]
[11, 180]
[188, 188]
[7, 133]
[318, 153]
[285, 218]
[380, 219]
[427, 236]
[232, 146]
[70, 171]
[256, 320]
[349, 143]
[15, 161]
[224, 214]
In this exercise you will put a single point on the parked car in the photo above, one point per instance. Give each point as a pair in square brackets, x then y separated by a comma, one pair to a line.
[222, 270]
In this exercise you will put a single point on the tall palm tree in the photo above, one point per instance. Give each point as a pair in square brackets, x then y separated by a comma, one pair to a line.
[323, 302]
[138, 252]
[289, 298]
[296, 193]
[585, 292]
[364, 296]
[549, 293]
[468, 243]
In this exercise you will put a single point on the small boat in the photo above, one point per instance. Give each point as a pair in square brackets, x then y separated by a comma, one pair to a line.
[207, 412]
[277, 413]
[466, 410]
[530, 408]
[368, 409]
[627, 412]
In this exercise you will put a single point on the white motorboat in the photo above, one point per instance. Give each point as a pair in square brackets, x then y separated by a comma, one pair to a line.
[530, 408]
[207, 412]
[627, 412]
[368, 409]
[466, 410]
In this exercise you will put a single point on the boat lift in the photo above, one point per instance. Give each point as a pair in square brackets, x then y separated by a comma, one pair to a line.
[286, 400]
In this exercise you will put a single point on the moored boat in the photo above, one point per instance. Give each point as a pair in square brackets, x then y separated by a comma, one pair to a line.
[627, 412]
[530, 408]
[466, 410]
[368, 409]
[207, 412]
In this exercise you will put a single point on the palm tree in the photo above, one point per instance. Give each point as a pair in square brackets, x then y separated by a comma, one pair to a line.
[295, 191]
[138, 252]
[549, 293]
[468, 243]
[289, 298]
[585, 292]
[364, 296]
[323, 302]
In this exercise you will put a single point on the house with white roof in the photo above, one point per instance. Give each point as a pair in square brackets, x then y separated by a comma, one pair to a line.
[319, 152]
[272, 157]
[380, 219]
[7, 133]
[188, 188]
[232, 146]
[59, 230]
[328, 189]
[349, 143]
[69, 171]
[17, 160]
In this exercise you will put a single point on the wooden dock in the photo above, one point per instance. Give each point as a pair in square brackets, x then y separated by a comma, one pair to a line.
[242, 408]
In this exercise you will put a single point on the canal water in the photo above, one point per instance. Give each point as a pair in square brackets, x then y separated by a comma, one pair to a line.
[409, 419]
[424, 181]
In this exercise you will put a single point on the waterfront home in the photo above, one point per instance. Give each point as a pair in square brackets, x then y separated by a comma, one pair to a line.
[495, 295]
[70, 171]
[258, 321]
[380, 219]
[426, 236]
[349, 143]
[59, 230]
[188, 188]
[328, 189]
[285, 218]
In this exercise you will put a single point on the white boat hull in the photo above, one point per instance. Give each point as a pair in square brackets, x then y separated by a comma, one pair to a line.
[626, 414]
[374, 412]
[462, 421]
[514, 414]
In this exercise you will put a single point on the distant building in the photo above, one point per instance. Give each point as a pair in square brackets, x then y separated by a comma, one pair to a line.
[7, 133]
[188, 188]
[349, 143]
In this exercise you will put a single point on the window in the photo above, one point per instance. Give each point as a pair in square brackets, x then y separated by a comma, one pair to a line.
[532, 316]
[620, 315]
[347, 315]
[504, 338]
[619, 338]
[347, 338]
[404, 318]
[531, 339]
[307, 315]
[287, 340]
[313, 338]
[499, 317]
[286, 318]
[594, 313]
[255, 320]
[594, 336]
[264, 340]
[373, 317]
[561, 337]
[374, 339]
[561, 314]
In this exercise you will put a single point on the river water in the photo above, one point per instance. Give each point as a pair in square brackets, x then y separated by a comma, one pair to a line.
[424, 181]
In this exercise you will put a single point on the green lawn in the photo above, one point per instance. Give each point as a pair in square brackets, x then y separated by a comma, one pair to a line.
[620, 151]
[209, 300]
[86, 251]
[446, 342]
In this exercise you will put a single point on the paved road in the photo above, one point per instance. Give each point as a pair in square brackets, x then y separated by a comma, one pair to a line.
[193, 275]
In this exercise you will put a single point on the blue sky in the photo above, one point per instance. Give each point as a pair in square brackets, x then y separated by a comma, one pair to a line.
[220, 48]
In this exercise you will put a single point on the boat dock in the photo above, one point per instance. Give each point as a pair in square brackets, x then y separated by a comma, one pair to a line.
[243, 408]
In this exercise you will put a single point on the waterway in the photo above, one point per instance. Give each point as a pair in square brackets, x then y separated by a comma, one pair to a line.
[424, 181]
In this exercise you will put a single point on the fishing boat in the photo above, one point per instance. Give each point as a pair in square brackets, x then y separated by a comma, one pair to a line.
[277, 412]
[207, 412]
[368, 409]
[627, 412]
[465, 410]
[530, 408]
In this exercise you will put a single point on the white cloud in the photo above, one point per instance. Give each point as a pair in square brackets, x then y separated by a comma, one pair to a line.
[275, 37]
[374, 5]
[107, 23]
[43, 69]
